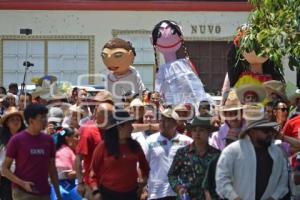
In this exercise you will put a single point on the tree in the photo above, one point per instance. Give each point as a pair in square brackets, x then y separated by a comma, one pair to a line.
[274, 31]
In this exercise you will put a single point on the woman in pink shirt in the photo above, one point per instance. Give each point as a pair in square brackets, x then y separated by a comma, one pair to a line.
[66, 141]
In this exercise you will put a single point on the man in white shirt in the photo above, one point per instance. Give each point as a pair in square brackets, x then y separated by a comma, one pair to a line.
[162, 147]
[253, 167]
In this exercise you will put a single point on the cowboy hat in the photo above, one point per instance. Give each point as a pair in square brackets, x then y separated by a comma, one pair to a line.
[117, 118]
[42, 90]
[137, 102]
[203, 122]
[170, 113]
[232, 102]
[103, 96]
[50, 78]
[275, 87]
[76, 109]
[260, 123]
[11, 111]
[257, 89]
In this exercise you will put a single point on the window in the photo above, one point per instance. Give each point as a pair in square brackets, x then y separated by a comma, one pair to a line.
[62, 56]
[210, 59]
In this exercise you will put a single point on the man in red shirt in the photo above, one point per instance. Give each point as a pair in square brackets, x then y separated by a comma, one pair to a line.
[90, 137]
[292, 129]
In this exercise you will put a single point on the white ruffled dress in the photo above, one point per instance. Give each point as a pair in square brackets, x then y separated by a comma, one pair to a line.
[178, 84]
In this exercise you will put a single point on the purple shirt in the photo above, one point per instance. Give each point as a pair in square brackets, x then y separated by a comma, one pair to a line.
[218, 138]
[32, 155]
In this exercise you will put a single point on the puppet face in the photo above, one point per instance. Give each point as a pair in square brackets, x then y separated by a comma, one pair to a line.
[117, 60]
[252, 58]
[168, 41]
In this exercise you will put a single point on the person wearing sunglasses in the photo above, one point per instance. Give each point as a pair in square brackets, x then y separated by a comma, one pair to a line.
[253, 167]
[281, 112]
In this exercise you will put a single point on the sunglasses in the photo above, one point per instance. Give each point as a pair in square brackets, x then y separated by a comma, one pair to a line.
[283, 109]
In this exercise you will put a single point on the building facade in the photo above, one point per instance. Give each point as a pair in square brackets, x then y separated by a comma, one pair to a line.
[67, 37]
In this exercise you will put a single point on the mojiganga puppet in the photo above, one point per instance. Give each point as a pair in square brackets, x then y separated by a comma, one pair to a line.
[176, 80]
[247, 67]
[118, 56]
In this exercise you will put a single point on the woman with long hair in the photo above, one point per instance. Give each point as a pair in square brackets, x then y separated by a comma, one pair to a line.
[246, 67]
[12, 123]
[177, 80]
[115, 160]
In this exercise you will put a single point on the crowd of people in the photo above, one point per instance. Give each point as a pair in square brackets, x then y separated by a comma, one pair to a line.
[82, 146]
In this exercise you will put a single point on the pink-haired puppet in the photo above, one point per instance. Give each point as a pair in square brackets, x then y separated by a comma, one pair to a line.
[176, 80]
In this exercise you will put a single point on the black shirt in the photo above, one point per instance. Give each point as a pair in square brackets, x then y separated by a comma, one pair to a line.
[264, 164]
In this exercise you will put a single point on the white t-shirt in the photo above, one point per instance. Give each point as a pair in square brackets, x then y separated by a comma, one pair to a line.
[119, 85]
[160, 154]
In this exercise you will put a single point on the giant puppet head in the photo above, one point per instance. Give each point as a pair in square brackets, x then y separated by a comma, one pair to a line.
[167, 37]
[240, 62]
[250, 56]
[118, 55]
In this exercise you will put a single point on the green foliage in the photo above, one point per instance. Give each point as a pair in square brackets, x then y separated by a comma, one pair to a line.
[274, 31]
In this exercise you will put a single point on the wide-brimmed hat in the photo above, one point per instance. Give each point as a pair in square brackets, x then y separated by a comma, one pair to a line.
[232, 102]
[50, 78]
[11, 111]
[170, 113]
[253, 112]
[203, 122]
[117, 118]
[294, 97]
[183, 108]
[103, 96]
[257, 89]
[260, 123]
[276, 87]
[137, 102]
[77, 109]
[42, 90]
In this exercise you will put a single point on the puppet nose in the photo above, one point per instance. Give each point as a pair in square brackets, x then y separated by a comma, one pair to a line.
[166, 32]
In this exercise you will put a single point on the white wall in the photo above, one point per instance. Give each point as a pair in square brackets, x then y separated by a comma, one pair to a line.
[101, 23]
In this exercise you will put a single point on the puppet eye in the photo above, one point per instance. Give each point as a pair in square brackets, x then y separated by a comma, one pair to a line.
[159, 34]
[173, 32]
[118, 54]
[103, 55]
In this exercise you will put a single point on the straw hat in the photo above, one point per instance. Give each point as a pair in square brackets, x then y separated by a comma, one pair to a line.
[137, 102]
[253, 112]
[257, 89]
[42, 90]
[77, 109]
[103, 96]
[50, 78]
[276, 87]
[232, 102]
[182, 108]
[11, 111]
[170, 113]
